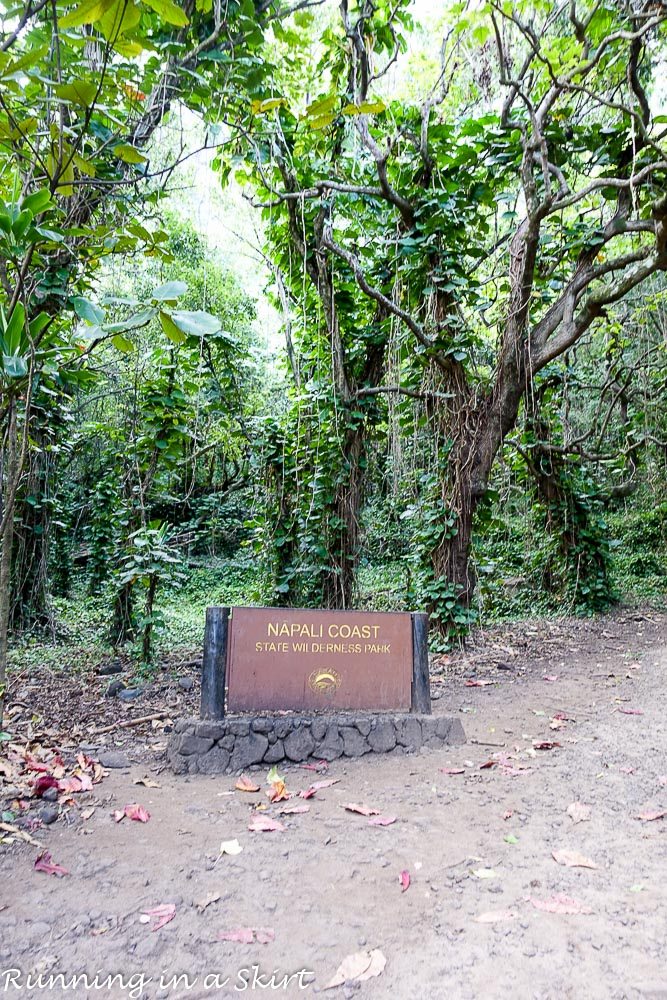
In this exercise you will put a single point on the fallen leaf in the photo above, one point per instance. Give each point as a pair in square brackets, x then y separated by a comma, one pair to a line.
[572, 859]
[487, 764]
[43, 783]
[147, 782]
[404, 879]
[321, 765]
[545, 745]
[579, 812]
[264, 824]
[358, 967]
[477, 684]
[317, 786]
[278, 792]
[21, 834]
[508, 814]
[550, 678]
[291, 810]
[246, 784]
[381, 820]
[496, 916]
[627, 770]
[230, 847]
[87, 813]
[511, 839]
[273, 775]
[560, 904]
[452, 770]
[648, 817]
[118, 815]
[378, 962]
[353, 807]
[212, 897]
[244, 935]
[631, 711]
[137, 812]
[163, 914]
[264, 935]
[44, 864]
[484, 873]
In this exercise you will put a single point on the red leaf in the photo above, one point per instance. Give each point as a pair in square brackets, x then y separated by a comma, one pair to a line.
[560, 904]
[32, 764]
[477, 684]
[44, 782]
[452, 770]
[244, 935]
[291, 810]
[489, 763]
[46, 865]
[550, 678]
[404, 879]
[264, 824]
[70, 785]
[631, 711]
[322, 765]
[545, 745]
[353, 807]
[135, 811]
[163, 914]
[381, 820]
[649, 817]
[317, 786]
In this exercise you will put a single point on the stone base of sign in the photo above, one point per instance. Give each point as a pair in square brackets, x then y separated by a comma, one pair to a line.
[238, 742]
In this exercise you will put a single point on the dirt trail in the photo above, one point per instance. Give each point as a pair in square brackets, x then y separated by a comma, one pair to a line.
[474, 843]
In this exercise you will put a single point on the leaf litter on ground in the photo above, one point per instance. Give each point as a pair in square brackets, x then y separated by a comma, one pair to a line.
[358, 968]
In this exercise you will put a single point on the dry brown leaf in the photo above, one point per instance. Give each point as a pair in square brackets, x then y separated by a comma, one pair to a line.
[353, 968]
[246, 784]
[579, 812]
[572, 859]
[292, 810]
[212, 897]
[353, 807]
[264, 824]
[560, 904]
[378, 962]
[147, 782]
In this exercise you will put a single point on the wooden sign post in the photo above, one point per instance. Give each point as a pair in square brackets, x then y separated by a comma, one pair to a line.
[274, 659]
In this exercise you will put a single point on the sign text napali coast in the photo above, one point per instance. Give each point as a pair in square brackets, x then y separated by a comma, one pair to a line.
[300, 659]
[299, 637]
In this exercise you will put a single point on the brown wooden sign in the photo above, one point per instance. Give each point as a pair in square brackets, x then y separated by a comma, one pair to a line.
[289, 659]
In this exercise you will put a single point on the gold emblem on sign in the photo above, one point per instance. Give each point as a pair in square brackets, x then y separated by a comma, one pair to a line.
[325, 681]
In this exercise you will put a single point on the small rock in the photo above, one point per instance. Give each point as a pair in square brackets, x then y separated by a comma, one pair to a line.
[186, 683]
[51, 794]
[130, 694]
[107, 669]
[114, 688]
[49, 814]
[113, 758]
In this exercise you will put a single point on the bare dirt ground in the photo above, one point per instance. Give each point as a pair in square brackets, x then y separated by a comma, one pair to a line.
[488, 914]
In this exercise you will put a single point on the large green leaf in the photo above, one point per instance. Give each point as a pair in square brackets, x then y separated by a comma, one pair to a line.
[87, 310]
[83, 92]
[87, 12]
[14, 365]
[168, 12]
[169, 291]
[129, 154]
[199, 323]
[171, 331]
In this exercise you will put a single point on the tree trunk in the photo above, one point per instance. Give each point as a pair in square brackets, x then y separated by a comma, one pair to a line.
[7, 541]
[147, 640]
[343, 543]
